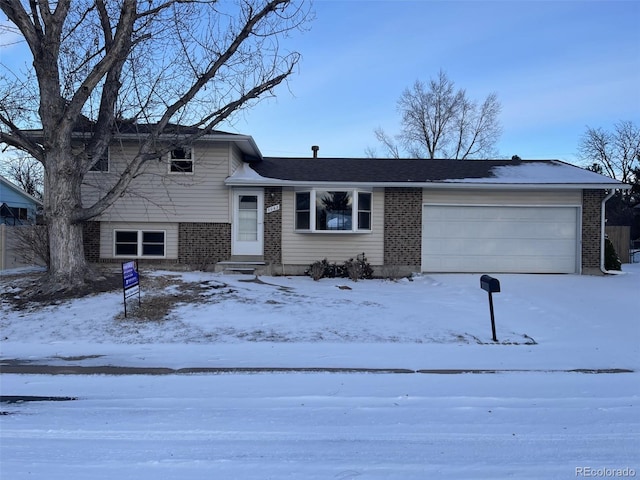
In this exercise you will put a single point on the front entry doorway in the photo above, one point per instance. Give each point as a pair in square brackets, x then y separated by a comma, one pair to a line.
[248, 222]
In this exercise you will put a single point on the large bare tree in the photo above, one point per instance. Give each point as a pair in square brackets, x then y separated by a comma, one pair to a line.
[440, 121]
[98, 63]
[615, 153]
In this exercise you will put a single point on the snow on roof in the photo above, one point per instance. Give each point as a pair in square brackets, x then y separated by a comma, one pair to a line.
[419, 172]
[542, 172]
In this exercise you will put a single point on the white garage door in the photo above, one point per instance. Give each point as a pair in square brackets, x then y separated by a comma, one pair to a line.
[499, 239]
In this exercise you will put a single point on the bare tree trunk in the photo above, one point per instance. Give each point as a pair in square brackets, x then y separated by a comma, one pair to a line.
[69, 266]
[63, 202]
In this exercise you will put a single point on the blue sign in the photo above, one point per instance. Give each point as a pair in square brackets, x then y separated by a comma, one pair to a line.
[130, 277]
[130, 282]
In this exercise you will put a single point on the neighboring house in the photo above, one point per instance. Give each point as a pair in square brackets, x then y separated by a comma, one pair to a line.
[17, 207]
[219, 200]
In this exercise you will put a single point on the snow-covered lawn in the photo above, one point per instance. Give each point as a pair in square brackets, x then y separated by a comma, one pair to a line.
[536, 419]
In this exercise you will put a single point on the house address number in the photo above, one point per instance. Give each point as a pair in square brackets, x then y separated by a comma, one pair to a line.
[273, 208]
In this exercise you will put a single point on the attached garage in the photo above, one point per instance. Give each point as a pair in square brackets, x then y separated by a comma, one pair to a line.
[500, 239]
[438, 215]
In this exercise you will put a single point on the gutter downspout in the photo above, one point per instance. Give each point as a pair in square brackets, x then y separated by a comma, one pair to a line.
[602, 230]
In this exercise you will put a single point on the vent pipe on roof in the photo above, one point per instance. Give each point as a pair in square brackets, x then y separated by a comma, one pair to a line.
[315, 149]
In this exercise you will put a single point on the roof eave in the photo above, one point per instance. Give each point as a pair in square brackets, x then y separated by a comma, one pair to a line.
[270, 182]
[245, 143]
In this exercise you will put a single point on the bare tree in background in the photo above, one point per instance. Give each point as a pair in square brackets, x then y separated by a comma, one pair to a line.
[615, 153]
[26, 173]
[98, 63]
[440, 121]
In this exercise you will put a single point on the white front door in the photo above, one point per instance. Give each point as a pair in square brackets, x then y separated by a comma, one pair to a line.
[248, 221]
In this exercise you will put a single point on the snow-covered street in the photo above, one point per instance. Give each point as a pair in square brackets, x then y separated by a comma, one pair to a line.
[321, 426]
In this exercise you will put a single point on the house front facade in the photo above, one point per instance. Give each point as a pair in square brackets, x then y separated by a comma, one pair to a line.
[219, 202]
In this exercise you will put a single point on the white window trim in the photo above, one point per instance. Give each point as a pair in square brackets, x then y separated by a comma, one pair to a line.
[355, 226]
[192, 160]
[139, 243]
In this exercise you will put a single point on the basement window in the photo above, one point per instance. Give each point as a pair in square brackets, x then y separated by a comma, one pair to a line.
[333, 211]
[139, 243]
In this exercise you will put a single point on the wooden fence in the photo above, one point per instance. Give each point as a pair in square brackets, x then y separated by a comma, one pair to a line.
[13, 252]
[620, 236]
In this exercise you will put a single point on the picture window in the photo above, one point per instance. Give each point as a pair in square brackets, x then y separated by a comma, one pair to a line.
[333, 210]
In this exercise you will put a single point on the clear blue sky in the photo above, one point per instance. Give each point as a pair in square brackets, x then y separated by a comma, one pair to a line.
[556, 66]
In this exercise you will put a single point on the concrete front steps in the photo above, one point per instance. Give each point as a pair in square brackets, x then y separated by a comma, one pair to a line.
[243, 264]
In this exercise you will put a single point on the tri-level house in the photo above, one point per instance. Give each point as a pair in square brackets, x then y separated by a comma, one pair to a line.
[219, 202]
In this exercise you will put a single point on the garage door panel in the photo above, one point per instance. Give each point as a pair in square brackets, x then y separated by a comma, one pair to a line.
[494, 246]
[499, 239]
[489, 229]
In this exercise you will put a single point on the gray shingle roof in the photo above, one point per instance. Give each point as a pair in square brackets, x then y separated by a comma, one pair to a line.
[423, 171]
[373, 170]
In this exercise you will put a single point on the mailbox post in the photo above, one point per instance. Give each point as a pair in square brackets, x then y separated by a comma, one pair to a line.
[491, 285]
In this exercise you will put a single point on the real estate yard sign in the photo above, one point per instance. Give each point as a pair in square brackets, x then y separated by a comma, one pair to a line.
[130, 282]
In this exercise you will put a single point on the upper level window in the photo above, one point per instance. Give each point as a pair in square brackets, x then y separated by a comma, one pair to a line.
[333, 210]
[181, 160]
[102, 164]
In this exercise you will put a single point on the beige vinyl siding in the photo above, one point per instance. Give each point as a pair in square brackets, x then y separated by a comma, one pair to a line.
[158, 196]
[306, 248]
[235, 162]
[502, 197]
[236, 156]
[107, 236]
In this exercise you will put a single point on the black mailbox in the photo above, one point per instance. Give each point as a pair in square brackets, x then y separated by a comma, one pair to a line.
[489, 284]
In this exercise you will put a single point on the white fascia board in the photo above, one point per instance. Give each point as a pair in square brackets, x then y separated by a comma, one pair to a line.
[528, 186]
[246, 143]
[270, 182]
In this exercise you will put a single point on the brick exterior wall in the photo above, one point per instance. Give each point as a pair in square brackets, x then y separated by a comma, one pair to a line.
[591, 230]
[91, 239]
[403, 226]
[273, 226]
[202, 244]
